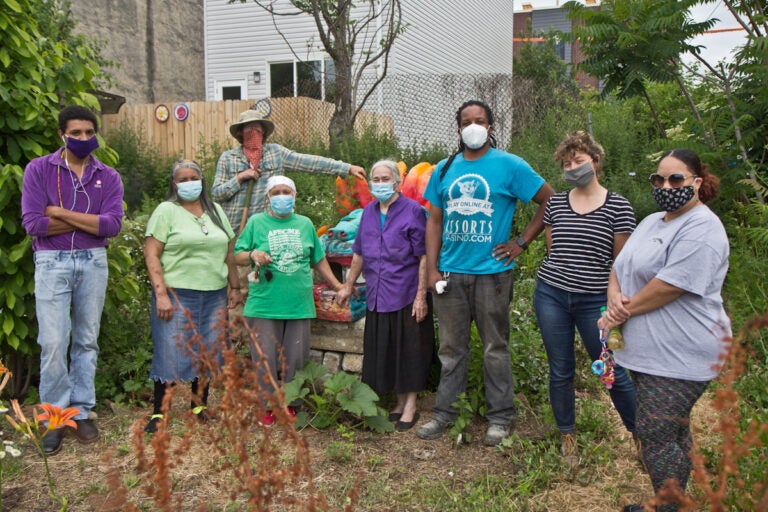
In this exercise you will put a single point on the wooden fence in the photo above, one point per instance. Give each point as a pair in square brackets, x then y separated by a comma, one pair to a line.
[296, 119]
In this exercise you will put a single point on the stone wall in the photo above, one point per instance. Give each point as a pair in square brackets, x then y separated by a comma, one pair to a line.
[338, 345]
[157, 46]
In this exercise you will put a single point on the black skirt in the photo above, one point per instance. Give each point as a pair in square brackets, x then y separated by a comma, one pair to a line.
[397, 350]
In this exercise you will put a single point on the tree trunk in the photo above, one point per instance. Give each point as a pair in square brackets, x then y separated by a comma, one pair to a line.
[708, 137]
[342, 120]
[662, 131]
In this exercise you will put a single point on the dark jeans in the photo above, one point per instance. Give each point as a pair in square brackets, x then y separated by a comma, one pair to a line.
[484, 299]
[559, 313]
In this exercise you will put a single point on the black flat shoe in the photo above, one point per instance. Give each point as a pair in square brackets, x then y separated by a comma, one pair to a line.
[402, 426]
[394, 416]
[52, 442]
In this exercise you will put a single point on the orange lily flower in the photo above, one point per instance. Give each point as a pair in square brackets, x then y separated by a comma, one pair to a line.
[58, 417]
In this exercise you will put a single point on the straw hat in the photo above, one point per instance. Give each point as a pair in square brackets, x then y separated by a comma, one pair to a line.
[251, 116]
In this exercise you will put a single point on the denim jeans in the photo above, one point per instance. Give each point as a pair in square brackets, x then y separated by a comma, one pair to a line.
[558, 313]
[484, 299]
[69, 297]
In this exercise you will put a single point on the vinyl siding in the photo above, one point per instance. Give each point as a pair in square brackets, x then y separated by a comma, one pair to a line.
[443, 37]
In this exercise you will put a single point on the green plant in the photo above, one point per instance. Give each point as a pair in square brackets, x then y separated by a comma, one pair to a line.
[466, 410]
[341, 451]
[125, 338]
[330, 400]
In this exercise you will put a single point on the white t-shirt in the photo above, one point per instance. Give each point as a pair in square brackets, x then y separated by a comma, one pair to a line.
[684, 338]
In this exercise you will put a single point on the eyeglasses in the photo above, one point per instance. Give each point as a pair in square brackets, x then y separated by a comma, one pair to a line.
[203, 227]
[675, 180]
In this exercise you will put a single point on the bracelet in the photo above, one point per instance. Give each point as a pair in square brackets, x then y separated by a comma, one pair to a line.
[337, 287]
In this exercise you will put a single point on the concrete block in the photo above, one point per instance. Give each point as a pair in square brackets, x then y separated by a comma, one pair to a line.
[332, 361]
[352, 363]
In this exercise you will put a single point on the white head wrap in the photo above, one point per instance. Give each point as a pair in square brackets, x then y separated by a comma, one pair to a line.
[274, 181]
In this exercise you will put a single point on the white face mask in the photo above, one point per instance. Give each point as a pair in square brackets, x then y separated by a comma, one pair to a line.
[474, 136]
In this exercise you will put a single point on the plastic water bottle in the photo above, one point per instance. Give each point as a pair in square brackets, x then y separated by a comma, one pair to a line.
[615, 338]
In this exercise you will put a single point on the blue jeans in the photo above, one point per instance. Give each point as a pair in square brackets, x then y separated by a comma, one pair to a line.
[69, 298]
[559, 312]
[484, 299]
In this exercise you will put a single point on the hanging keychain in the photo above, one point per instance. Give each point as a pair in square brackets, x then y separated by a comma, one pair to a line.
[603, 367]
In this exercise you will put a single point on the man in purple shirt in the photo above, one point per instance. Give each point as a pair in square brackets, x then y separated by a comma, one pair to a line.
[71, 204]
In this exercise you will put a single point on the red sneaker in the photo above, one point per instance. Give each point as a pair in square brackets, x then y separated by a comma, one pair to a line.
[291, 411]
[268, 419]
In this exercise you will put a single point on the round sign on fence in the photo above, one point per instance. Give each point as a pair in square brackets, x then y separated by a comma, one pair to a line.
[263, 107]
[181, 111]
[162, 113]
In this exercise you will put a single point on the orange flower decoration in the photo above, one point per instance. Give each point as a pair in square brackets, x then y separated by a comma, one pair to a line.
[58, 417]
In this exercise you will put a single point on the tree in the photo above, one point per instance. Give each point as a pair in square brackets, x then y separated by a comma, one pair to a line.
[630, 42]
[43, 65]
[356, 37]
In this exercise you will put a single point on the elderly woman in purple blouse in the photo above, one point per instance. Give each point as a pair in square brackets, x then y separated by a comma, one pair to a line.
[399, 333]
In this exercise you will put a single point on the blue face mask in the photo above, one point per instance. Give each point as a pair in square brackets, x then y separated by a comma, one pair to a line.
[189, 190]
[382, 191]
[282, 204]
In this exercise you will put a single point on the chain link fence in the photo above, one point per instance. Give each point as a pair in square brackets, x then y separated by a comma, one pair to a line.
[422, 107]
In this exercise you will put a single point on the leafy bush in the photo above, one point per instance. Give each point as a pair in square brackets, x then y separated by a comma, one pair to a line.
[330, 400]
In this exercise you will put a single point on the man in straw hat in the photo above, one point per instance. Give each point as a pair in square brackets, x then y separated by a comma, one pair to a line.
[240, 185]
[242, 173]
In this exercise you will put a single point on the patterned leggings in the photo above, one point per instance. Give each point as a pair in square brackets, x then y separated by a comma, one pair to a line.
[663, 416]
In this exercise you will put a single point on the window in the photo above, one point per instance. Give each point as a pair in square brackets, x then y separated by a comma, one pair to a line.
[312, 79]
[230, 89]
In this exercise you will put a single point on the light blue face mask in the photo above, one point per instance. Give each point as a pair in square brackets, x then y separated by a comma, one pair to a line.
[382, 191]
[189, 190]
[282, 204]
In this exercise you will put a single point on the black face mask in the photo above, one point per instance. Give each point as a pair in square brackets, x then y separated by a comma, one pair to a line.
[672, 199]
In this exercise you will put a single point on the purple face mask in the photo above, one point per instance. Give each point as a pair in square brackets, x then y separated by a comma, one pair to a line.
[82, 148]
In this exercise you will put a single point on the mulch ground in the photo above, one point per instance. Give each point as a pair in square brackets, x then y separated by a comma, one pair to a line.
[383, 469]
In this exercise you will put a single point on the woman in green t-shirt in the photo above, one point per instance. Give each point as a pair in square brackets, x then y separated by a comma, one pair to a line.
[188, 252]
[281, 247]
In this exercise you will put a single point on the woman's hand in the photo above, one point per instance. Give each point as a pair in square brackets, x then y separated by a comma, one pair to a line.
[234, 297]
[164, 307]
[419, 308]
[260, 257]
[617, 313]
[343, 295]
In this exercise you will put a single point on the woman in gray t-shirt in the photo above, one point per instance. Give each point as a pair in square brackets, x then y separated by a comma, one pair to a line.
[665, 288]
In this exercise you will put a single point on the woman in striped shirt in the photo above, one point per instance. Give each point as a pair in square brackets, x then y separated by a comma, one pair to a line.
[585, 228]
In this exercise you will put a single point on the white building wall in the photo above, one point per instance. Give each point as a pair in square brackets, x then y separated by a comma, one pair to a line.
[446, 36]
[443, 37]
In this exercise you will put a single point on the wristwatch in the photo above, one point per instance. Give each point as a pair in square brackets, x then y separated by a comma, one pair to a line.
[521, 242]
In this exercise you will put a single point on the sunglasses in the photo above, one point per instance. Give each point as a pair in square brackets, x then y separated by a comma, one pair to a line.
[675, 180]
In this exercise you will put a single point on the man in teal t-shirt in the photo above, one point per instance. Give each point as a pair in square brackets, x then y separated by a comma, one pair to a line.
[473, 195]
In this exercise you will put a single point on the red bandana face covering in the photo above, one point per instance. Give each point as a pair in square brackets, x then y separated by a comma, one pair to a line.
[252, 146]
